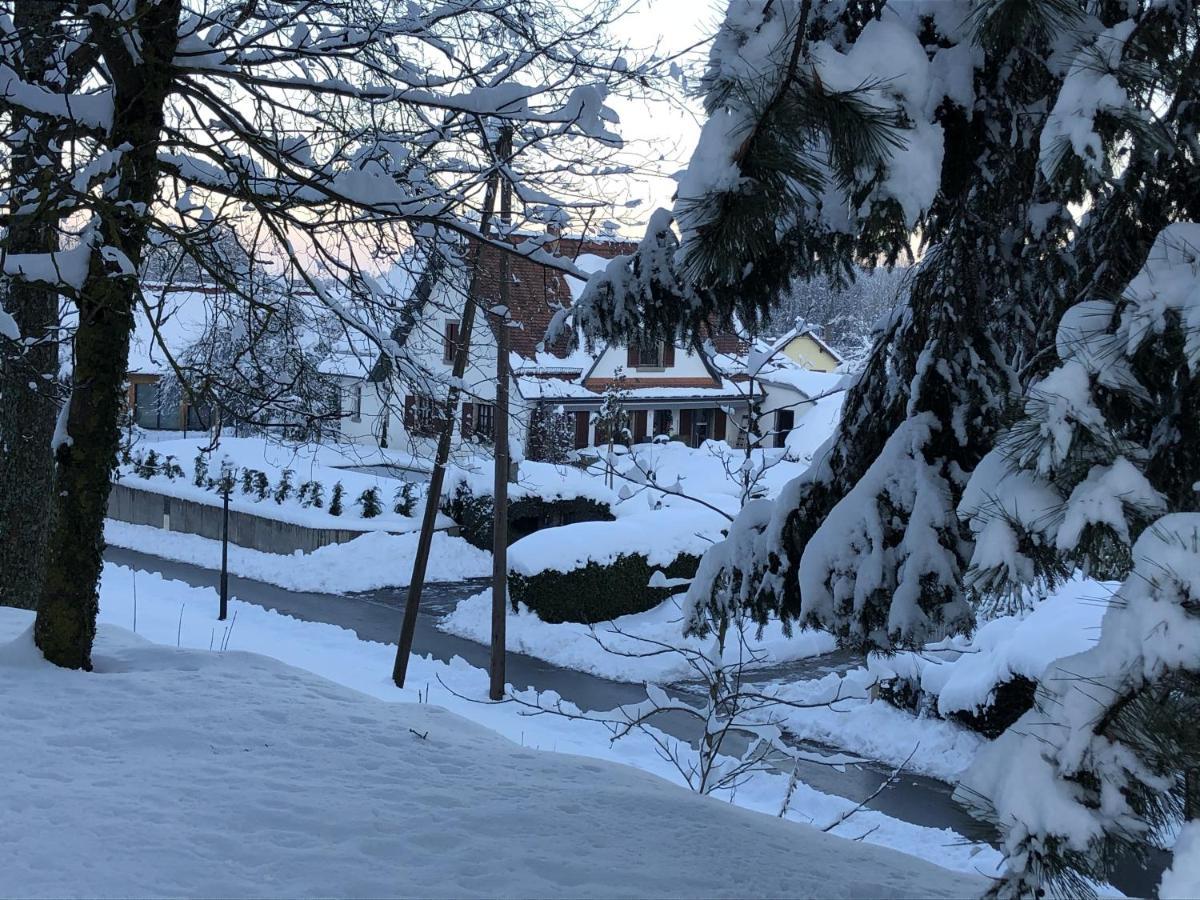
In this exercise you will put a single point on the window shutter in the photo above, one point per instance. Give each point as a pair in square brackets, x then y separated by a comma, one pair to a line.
[685, 426]
[668, 355]
[409, 416]
[639, 426]
[719, 425]
[468, 419]
[631, 357]
[581, 430]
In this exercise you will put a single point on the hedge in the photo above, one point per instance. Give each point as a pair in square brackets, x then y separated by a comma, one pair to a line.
[1009, 701]
[596, 592]
[473, 514]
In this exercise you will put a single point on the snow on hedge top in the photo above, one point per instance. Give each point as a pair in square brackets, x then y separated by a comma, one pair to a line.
[963, 673]
[534, 479]
[660, 535]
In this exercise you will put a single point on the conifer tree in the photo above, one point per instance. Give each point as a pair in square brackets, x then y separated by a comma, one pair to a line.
[335, 503]
[368, 502]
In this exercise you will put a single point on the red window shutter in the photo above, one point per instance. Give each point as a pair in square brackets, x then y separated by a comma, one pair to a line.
[410, 403]
[450, 342]
[639, 426]
[685, 426]
[581, 430]
[631, 357]
[468, 419]
[719, 425]
[668, 355]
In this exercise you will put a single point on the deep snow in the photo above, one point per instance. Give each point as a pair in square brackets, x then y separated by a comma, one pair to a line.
[184, 772]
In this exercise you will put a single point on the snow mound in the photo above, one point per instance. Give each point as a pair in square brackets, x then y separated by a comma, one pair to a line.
[660, 535]
[189, 773]
[371, 561]
[602, 650]
[964, 673]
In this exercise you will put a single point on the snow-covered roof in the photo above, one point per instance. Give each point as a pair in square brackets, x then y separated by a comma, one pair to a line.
[806, 381]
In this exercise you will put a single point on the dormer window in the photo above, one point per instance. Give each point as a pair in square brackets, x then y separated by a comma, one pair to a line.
[650, 355]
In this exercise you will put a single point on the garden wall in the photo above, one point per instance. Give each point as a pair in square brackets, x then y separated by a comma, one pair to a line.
[141, 507]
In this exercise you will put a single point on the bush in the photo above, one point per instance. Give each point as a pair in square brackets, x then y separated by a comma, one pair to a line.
[171, 468]
[1009, 701]
[405, 499]
[200, 469]
[368, 500]
[284, 489]
[596, 592]
[262, 485]
[247, 481]
[335, 505]
[311, 494]
[473, 514]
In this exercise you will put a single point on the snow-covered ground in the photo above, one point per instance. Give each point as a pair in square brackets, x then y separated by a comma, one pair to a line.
[374, 560]
[628, 648]
[183, 772]
[325, 464]
[173, 613]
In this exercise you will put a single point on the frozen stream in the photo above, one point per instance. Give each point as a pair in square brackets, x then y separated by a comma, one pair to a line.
[375, 616]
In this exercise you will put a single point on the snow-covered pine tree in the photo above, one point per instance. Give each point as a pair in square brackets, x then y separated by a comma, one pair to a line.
[1107, 763]
[1107, 439]
[867, 542]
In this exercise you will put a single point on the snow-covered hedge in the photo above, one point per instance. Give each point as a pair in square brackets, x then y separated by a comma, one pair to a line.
[597, 571]
[988, 681]
[544, 495]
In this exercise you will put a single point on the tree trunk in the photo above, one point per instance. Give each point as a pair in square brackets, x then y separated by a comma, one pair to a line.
[87, 453]
[27, 373]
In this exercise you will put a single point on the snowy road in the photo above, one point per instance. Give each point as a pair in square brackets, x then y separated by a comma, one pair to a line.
[375, 616]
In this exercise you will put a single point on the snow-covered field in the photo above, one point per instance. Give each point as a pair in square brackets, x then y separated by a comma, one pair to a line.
[183, 772]
[176, 614]
[372, 561]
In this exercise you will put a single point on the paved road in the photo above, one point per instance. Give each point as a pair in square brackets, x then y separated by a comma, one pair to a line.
[375, 616]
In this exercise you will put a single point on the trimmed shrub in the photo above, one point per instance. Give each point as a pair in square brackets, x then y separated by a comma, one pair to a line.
[335, 505]
[200, 469]
[596, 592]
[473, 514]
[405, 499]
[262, 485]
[1009, 701]
[284, 489]
[368, 501]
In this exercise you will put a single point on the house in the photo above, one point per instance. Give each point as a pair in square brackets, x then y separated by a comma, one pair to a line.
[804, 347]
[662, 388]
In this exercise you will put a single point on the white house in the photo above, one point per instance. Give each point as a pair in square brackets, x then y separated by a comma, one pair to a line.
[664, 389]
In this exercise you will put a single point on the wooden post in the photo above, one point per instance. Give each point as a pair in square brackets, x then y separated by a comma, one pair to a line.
[501, 475]
[226, 483]
[436, 479]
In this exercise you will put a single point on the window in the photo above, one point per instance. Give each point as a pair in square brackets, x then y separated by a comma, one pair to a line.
[485, 420]
[449, 342]
[663, 421]
[423, 415]
[652, 356]
[356, 403]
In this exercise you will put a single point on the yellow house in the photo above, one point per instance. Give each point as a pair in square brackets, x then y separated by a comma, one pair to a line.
[807, 350]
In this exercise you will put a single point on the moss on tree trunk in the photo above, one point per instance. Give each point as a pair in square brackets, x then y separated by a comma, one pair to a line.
[66, 616]
[27, 373]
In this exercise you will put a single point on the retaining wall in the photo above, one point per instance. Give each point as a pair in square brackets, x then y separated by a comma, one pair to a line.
[141, 507]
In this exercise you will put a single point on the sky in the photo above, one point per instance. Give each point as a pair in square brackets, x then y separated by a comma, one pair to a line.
[660, 136]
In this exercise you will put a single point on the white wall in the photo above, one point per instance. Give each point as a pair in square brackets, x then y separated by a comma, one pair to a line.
[688, 364]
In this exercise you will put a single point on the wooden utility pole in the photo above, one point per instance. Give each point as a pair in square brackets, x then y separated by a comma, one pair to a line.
[436, 479]
[500, 440]
[226, 487]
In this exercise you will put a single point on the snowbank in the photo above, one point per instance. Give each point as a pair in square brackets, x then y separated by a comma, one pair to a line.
[190, 773]
[599, 651]
[659, 535]
[964, 673]
[544, 481]
[372, 561]
[174, 613]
